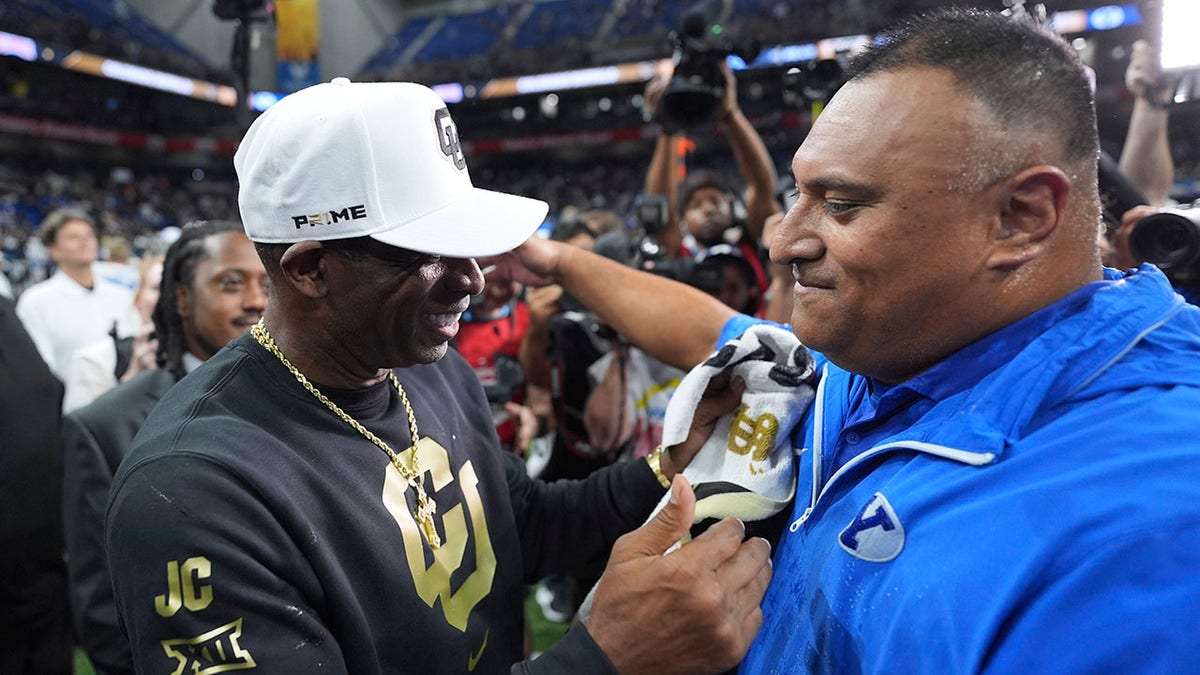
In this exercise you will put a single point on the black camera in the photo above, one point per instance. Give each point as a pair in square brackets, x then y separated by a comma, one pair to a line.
[813, 83]
[697, 86]
[509, 377]
[1170, 239]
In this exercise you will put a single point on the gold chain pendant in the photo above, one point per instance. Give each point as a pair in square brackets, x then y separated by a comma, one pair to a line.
[426, 507]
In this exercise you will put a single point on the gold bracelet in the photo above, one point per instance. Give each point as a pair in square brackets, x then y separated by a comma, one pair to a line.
[654, 460]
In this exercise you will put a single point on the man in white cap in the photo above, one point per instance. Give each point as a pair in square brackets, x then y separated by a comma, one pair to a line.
[328, 494]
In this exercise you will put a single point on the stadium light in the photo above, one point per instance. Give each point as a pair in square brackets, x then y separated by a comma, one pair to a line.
[1179, 48]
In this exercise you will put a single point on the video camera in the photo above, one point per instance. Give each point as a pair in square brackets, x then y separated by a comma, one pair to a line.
[697, 86]
[1170, 239]
[639, 248]
[815, 82]
[704, 271]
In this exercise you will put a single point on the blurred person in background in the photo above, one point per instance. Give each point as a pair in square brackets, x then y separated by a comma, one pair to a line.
[489, 338]
[556, 366]
[35, 626]
[558, 347]
[128, 350]
[536, 308]
[117, 262]
[724, 272]
[75, 307]
[213, 290]
[1139, 186]
[702, 206]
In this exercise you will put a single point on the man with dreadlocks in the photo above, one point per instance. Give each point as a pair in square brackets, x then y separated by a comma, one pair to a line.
[213, 290]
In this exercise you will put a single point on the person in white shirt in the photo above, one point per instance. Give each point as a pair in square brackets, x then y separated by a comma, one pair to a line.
[74, 307]
[98, 367]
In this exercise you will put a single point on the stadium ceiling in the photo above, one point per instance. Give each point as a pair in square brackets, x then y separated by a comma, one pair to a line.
[352, 30]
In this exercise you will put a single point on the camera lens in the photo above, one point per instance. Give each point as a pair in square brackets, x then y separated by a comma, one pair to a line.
[1169, 239]
[688, 104]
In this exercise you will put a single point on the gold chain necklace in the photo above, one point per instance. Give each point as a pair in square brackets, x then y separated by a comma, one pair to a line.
[412, 475]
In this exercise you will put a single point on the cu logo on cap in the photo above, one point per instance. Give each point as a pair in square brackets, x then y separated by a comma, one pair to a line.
[448, 138]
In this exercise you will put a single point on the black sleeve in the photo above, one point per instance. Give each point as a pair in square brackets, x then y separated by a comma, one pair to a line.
[576, 653]
[569, 523]
[87, 477]
[202, 567]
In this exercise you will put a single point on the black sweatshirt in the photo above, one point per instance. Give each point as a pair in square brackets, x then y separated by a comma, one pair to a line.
[252, 527]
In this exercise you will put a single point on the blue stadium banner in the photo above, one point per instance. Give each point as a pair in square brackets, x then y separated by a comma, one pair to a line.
[297, 37]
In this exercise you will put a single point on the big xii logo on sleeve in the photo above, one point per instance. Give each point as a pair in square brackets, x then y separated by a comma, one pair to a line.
[214, 651]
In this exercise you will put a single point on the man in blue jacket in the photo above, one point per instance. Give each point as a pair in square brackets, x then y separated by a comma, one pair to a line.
[1001, 469]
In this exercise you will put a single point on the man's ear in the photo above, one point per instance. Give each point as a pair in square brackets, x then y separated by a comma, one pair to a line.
[1034, 204]
[305, 267]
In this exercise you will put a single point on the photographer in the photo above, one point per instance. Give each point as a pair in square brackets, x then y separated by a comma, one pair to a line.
[1118, 252]
[1133, 191]
[702, 205]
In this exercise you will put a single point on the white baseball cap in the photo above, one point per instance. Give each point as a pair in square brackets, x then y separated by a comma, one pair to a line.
[379, 159]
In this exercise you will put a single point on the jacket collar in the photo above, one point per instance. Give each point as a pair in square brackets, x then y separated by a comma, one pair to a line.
[987, 393]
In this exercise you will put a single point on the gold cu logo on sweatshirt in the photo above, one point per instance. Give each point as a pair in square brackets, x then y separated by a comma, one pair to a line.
[433, 581]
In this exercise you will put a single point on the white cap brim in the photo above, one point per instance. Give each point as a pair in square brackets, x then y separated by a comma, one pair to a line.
[454, 230]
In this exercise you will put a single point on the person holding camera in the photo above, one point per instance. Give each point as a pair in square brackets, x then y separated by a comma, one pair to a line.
[1135, 193]
[1168, 238]
[700, 205]
[999, 471]
[560, 344]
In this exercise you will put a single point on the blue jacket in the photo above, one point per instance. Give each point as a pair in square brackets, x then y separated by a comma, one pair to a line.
[1030, 504]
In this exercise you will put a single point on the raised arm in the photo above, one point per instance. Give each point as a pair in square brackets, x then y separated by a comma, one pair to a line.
[753, 161]
[662, 177]
[1146, 155]
[673, 322]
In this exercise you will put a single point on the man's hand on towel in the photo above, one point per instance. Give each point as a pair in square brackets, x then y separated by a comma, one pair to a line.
[722, 396]
[693, 611]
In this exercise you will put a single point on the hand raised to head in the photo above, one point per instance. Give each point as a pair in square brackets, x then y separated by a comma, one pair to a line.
[533, 263]
[695, 610]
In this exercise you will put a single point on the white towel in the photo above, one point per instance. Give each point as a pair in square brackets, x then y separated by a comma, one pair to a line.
[746, 468]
